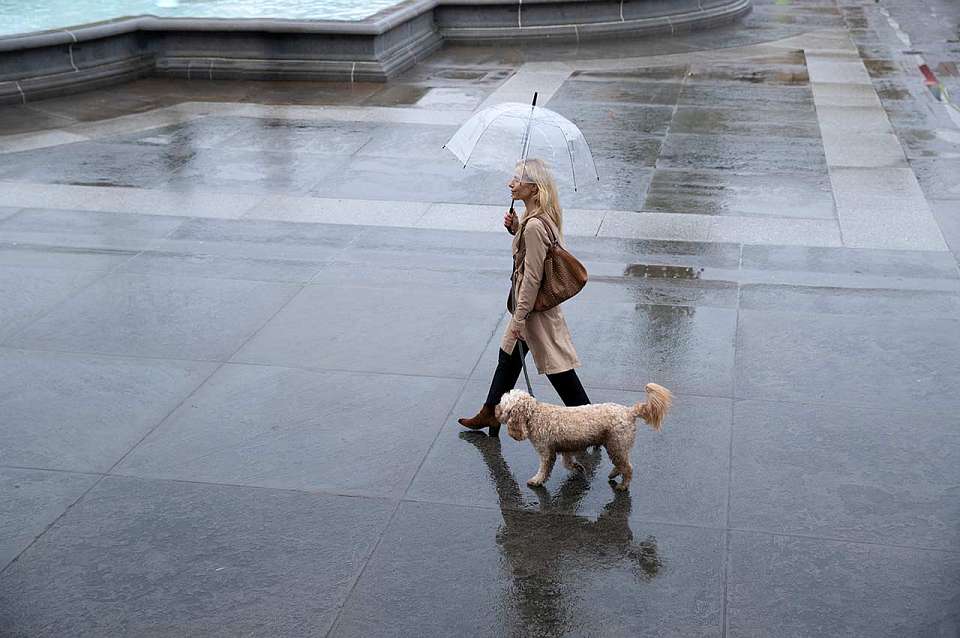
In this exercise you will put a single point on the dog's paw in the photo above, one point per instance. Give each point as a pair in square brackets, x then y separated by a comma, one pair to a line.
[621, 487]
[534, 482]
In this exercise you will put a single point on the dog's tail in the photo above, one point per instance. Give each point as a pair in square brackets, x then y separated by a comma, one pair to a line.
[659, 400]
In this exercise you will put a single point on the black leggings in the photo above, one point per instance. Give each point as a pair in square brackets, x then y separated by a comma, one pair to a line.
[567, 383]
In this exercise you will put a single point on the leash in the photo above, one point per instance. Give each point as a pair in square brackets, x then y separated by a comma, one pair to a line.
[523, 362]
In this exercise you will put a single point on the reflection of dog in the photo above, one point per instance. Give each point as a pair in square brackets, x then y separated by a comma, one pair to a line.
[552, 429]
[548, 547]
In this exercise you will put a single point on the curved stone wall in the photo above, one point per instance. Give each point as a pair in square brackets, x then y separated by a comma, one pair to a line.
[52, 63]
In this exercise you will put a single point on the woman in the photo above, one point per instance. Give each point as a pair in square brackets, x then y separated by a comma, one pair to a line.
[544, 332]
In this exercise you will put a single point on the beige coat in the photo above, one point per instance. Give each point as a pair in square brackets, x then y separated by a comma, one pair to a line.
[545, 332]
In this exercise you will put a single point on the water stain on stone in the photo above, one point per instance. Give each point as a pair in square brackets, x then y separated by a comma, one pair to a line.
[788, 57]
[459, 74]
[762, 76]
[655, 271]
[100, 183]
[397, 95]
[879, 68]
[892, 93]
[645, 74]
[948, 69]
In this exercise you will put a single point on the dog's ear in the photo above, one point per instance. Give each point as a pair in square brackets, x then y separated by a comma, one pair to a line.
[520, 411]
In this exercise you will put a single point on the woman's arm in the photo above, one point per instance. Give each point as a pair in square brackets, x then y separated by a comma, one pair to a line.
[535, 241]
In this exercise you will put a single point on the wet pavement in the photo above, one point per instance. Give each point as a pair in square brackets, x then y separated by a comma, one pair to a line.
[240, 320]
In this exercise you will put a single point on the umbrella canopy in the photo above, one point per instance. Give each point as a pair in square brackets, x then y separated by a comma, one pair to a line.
[500, 136]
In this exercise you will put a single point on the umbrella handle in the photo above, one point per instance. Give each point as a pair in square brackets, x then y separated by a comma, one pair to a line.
[523, 355]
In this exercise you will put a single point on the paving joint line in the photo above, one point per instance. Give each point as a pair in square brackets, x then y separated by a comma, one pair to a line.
[202, 383]
[5, 342]
[733, 423]
[413, 477]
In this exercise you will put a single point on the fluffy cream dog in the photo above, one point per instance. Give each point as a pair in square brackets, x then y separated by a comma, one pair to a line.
[554, 429]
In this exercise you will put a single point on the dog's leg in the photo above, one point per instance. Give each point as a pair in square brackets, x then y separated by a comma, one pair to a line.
[571, 463]
[621, 466]
[547, 459]
[615, 472]
[627, 476]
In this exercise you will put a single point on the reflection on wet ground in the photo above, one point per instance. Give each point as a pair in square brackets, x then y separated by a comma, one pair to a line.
[541, 544]
[662, 272]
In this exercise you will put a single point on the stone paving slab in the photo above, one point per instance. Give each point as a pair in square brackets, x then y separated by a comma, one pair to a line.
[947, 214]
[211, 559]
[395, 339]
[859, 352]
[741, 153]
[343, 211]
[891, 194]
[31, 500]
[838, 94]
[91, 223]
[722, 193]
[30, 292]
[278, 427]
[137, 315]
[81, 412]
[853, 119]
[809, 491]
[862, 150]
[74, 258]
[838, 70]
[794, 584]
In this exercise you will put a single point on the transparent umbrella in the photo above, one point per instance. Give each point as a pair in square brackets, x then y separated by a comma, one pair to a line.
[500, 136]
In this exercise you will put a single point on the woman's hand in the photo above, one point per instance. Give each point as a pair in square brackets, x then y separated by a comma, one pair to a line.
[516, 331]
[509, 220]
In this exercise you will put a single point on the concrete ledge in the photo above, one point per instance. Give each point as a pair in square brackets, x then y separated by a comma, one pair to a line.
[51, 63]
[566, 20]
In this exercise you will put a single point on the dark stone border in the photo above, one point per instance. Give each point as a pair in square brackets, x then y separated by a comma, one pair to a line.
[51, 63]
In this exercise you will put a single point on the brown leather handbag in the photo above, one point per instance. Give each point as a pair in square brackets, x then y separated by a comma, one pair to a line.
[563, 274]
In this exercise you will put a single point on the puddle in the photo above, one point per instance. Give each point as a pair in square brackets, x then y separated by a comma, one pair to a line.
[653, 271]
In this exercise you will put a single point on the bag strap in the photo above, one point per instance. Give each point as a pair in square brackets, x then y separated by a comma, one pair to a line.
[547, 224]
[523, 251]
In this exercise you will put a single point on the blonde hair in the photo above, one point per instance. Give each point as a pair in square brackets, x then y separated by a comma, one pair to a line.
[535, 171]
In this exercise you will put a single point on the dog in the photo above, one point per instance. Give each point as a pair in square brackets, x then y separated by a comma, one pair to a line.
[553, 429]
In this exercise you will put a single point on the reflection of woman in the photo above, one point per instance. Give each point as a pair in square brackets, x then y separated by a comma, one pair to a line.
[546, 552]
[545, 332]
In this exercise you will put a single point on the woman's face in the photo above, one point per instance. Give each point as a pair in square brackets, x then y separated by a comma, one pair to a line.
[521, 190]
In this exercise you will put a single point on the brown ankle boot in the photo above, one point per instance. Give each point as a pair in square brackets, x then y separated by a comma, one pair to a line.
[484, 419]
